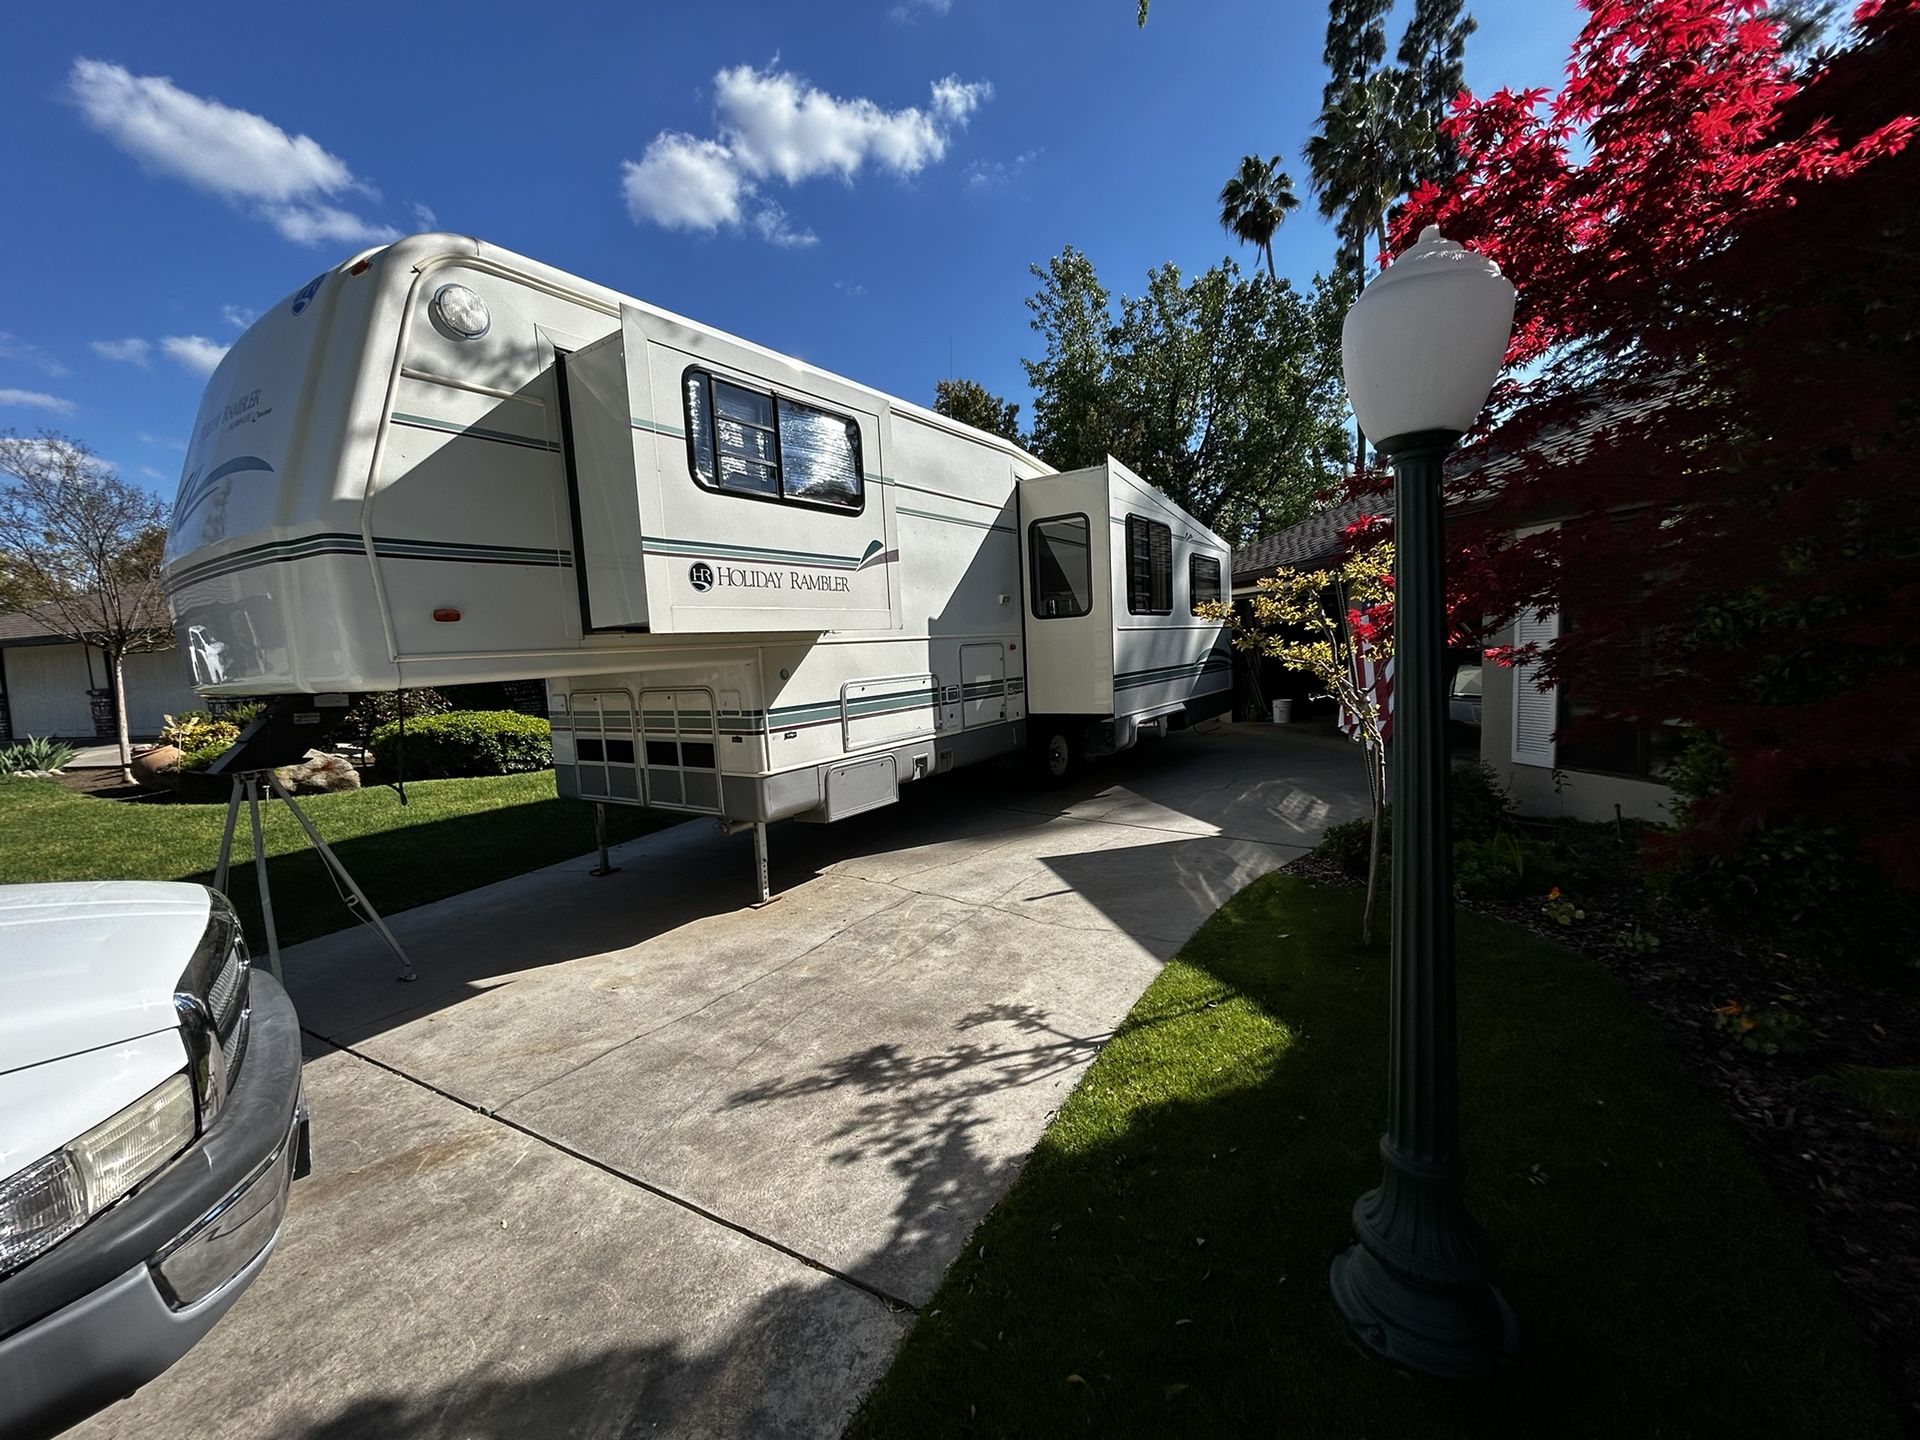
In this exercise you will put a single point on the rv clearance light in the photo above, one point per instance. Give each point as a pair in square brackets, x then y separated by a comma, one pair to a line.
[461, 311]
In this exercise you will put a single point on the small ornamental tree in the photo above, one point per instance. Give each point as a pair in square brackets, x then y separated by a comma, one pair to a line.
[1714, 259]
[82, 550]
[1323, 622]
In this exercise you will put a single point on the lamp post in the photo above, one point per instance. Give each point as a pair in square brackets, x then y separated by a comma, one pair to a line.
[1421, 348]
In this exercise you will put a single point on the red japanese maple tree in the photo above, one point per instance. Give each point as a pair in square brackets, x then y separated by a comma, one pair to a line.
[1714, 387]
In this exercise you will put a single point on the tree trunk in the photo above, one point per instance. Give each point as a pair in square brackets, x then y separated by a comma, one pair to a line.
[1272, 274]
[118, 661]
[1377, 789]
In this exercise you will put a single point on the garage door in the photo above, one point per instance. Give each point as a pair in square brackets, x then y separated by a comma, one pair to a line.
[47, 690]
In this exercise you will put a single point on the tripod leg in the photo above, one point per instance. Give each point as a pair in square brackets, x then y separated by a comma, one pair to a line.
[260, 878]
[360, 900]
[226, 838]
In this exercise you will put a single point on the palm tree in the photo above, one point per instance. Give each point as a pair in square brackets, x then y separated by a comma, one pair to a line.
[1361, 161]
[1255, 202]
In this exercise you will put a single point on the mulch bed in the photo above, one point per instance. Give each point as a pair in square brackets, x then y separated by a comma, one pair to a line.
[1856, 1192]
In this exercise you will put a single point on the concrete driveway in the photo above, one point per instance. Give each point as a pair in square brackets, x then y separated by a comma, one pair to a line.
[631, 1158]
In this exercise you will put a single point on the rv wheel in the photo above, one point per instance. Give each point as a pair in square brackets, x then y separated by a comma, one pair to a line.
[1062, 756]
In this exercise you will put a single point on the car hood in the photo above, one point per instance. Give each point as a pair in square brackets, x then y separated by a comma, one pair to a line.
[92, 964]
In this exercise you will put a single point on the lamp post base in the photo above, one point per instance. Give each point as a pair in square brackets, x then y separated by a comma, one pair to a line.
[1459, 1332]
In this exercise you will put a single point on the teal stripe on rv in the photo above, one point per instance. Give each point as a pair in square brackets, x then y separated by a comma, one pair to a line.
[473, 432]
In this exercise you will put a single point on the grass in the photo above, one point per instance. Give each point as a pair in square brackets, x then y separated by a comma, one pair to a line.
[1159, 1268]
[453, 835]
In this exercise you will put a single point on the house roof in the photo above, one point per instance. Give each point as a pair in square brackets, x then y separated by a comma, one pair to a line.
[32, 627]
[1320, 536]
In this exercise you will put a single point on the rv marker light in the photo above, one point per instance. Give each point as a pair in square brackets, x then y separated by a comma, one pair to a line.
[461, 311]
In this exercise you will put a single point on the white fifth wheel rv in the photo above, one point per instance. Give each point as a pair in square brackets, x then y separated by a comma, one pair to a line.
[754, 589]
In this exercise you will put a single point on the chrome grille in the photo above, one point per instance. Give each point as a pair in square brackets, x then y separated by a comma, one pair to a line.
[228, 992]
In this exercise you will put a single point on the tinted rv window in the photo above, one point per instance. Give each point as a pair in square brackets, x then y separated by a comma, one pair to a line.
[1149, 567]
[751, 442]
[1062, 565]
[1203, 580]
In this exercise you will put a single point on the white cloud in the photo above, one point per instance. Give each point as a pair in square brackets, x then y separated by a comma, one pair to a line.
[134, 351]
[770, 222]
[997, 174]
[161, 442]
[12, 347]
[244, 158]
[196, 352]
[314, 224]
[683, 184]
[773, 127]
[153, 474]
[908, 11]
[424, 217]
[37, 400]
[238, 316]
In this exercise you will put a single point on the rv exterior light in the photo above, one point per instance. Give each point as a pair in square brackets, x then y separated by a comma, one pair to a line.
[461, 311]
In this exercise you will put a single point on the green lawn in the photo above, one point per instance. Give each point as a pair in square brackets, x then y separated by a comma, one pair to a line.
[1160, 1266]
[452, 835]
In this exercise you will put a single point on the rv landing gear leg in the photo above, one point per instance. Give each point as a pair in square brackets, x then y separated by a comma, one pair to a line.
[606, 866]
[760, 864]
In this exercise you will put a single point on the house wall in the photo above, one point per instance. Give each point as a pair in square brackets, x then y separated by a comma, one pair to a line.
[1581, 794]
[47, 690]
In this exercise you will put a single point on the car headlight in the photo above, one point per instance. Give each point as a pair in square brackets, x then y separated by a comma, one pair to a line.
[50, 1199]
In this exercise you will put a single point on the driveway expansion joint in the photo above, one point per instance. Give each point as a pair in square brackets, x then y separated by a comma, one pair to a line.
[891, 1301]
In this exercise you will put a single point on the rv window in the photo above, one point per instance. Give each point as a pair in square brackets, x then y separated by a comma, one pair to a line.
[1062, 566]
[1149, 567]
[819, 456]
[750, 442]
[1203, 580]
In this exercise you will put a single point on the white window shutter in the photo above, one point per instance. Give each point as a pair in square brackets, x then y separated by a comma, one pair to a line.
[1535, 713]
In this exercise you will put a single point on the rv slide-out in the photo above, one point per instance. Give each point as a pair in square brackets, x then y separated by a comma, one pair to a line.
[754, 589]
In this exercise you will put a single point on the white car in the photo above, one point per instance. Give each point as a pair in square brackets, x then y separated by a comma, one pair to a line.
[151, 1124]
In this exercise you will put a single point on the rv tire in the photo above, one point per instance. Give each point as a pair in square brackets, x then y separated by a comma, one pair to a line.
[1062, 754]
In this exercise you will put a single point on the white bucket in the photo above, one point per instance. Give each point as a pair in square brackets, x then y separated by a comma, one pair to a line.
[1282, 711]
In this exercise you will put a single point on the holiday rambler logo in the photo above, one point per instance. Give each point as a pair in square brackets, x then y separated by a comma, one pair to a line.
[700, 576]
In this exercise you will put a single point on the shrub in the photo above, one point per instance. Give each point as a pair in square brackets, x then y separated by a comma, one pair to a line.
[466, 742]
[200, 757]
[36, 754]
[244, 714]
[1479, 809]
[196, 730]
[1809, 880]
[1480, 806]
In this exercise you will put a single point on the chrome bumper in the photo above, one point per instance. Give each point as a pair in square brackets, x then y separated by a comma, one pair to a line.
[220, 1243]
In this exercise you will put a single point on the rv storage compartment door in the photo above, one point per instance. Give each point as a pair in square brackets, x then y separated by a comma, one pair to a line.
[750, 496]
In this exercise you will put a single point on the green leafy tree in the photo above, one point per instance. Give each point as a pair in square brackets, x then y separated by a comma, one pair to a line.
[1071, 313]
[971, 403]
[1223, 390]
[83, 551]
[1255, 202]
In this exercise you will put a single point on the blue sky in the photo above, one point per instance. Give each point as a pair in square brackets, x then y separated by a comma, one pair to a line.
[862, 184]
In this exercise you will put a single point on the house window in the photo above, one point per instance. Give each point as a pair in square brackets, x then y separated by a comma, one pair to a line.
[752, 442]
[1061, 560]
[1203, 581]
[1640, 751]
[1149, 567]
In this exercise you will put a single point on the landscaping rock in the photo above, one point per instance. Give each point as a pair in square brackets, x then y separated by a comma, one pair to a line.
[320, 774]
